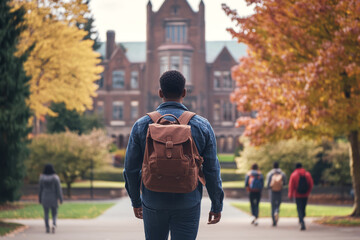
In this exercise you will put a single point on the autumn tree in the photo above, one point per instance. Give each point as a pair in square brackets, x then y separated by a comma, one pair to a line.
[63, 66]
[71, 154]
[302, 72]
[14, 112]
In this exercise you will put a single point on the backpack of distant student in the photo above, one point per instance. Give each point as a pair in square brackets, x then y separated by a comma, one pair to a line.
[172, 162]
[276, 182]
[255, 183]
[303, 185]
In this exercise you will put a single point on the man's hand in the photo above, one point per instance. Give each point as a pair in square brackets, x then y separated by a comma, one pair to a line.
[214, 217]
[138, 212]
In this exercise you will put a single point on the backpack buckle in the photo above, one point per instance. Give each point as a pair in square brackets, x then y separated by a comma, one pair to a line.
[169, 144]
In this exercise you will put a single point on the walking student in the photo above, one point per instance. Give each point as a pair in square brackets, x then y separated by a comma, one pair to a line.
[254, 183]
[166, 151]
[300, 186]
[49, 195]
[275, 179]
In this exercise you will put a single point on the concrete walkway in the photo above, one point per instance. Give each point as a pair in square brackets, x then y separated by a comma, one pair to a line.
[118, 222]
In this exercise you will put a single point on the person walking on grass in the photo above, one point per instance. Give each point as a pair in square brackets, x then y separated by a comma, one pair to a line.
[254, 183]
[300, 186]
[166, 151]
[275, 180]
[49, 194]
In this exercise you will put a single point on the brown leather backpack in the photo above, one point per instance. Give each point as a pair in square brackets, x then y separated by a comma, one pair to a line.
[171, 160]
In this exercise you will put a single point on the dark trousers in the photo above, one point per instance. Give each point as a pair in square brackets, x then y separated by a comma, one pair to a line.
[301, 206]
[53, 214]
[254, 203]
[275, 203]
[183, 224]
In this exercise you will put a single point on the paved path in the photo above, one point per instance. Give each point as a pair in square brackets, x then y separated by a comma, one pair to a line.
[118, 223]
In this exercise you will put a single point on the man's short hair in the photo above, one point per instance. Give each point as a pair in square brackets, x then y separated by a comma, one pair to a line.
[172, 84]
[254, 167]
[298, 165]
[276, 165]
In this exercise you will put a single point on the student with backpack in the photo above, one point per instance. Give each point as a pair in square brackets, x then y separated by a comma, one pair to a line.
[170, 154]
[300, 186]
[254, 183]
[276, 179]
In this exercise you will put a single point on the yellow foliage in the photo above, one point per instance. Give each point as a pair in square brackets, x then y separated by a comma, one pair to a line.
[63, 67]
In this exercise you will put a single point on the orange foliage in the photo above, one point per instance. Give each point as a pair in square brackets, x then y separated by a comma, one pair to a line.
[302, 72]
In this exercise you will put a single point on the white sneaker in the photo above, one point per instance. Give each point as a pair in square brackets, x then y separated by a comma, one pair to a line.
[53, 229]
[254, 220]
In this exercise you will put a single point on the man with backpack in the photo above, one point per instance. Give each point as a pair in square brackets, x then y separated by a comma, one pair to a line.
[254, 183]
[276, 179]
[300, 186]
[170, 155]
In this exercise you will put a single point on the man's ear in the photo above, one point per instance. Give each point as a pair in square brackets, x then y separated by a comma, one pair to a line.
[161, 94]
[183, 93]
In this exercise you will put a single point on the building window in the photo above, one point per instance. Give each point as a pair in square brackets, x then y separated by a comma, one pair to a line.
[186, 70]
[100, 107]
[175, 63]
[227, 111]
[118, 110]
[176, 33]
[134, 109]
[217, 80]
[134, 82]
[118, 79]
[222, 80]
[227, 81]
[164, 64]
[100, 82]
[217, 112]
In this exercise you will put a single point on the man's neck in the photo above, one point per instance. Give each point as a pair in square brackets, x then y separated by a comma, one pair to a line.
[173, 100]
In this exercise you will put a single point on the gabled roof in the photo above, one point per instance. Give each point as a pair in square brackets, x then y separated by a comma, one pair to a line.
[214, 48]
[136, 51]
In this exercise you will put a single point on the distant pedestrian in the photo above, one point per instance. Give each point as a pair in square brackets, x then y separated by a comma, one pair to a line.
[300, 186]
[254, 183]
[275, 179]
[49, 194]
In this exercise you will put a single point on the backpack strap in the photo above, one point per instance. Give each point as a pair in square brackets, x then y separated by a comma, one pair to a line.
[185, 117]
[155, 115]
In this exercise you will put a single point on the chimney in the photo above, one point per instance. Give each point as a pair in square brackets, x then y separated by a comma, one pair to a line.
[110, 43]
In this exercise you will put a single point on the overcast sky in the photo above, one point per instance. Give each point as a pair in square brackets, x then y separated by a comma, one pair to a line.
[128, 17]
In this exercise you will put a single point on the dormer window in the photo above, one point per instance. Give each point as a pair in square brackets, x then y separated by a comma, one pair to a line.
[176, 32]
[175, 10]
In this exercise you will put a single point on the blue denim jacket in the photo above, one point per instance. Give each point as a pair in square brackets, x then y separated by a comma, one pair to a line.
[204, 138]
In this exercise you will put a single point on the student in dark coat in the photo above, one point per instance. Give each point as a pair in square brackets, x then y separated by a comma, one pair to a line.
[49, 194]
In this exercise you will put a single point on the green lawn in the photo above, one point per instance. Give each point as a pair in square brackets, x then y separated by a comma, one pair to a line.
[8, 227]
[96, 184]
[233, 184]
[226, 157]
[66, 210]
[289, 210]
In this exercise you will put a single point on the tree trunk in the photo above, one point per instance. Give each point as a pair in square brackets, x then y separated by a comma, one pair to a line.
[68, 189]
[355, 170]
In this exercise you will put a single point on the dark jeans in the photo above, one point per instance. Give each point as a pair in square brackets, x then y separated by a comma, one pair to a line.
[301, 206]
[254, 202]
[275, 203]
[53, 214]
[183, 224]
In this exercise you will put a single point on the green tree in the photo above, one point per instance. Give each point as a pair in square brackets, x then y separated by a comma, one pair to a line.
[338, 171]
[72, 120]
[71, 154]
[285, 152]
[14, 112]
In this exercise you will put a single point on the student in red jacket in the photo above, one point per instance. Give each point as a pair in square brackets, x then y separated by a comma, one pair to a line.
[300, 186]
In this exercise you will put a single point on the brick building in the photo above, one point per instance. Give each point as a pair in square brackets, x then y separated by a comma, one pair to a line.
[175, 40]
